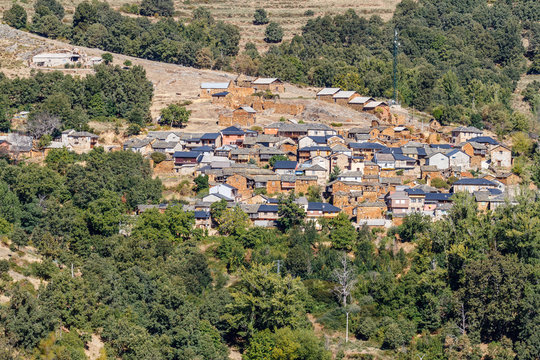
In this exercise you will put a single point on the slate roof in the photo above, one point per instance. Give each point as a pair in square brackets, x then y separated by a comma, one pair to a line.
[344, 94]
[248, 109]
[210, 136]
[367, 146]
[200, 214]
[285, 164]
[328, 91]
[186, 154]
[360, 100]
[436, 197]
[467, 129]
[268, 208]
[265, 81]
[221, 94]
[484, 140]
[474, 181]
[325, 207]
[232, 130]
[215, 85]
[315, 148]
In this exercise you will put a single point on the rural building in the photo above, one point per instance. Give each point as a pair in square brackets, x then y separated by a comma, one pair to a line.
[459, 159]
[438, 160]
[56, 59]
[232, 135]
[501, 157]
[472, 185]
[244, 81]
[210, 88]
[358, 103]
[343, 97]
[464, 133]
[79, 140]
[271, 84]
[397, 202]
[327, 94]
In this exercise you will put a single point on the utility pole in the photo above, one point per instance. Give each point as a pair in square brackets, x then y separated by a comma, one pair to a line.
[395, 75]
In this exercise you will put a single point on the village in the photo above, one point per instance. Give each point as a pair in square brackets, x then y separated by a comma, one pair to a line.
[376, 174]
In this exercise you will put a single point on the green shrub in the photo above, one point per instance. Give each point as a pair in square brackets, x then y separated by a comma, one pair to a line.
[158, 157]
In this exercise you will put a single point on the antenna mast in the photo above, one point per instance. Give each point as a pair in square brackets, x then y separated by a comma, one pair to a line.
[395, 75]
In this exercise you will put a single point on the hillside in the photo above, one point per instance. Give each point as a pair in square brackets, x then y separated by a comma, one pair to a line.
[289, 14]
[172, 83]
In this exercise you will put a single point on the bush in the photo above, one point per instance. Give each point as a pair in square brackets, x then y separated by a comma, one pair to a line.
[16, 17]
[439, 183]
[159, 7]
[309, 12]
[158, 157]
[273, 33]
[260, 17]
[133, 129]
[4, 266]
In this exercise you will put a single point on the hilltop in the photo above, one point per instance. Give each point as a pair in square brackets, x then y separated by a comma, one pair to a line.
[291, 15]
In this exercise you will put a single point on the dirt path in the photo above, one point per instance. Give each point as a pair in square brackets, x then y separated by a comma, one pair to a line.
[94, 346]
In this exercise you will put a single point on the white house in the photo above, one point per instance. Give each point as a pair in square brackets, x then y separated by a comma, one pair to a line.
[459, 158]
[439, 160]
[226, 190]
[354, 176]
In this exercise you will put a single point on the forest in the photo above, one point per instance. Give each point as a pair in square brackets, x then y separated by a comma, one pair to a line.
[459, 60]
[152, 286]
[110, 92]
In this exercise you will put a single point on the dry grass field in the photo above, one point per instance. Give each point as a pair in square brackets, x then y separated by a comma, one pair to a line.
[289, 13]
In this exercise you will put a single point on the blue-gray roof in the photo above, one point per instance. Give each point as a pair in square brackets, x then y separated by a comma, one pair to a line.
[484, 140]
[435, 197]
[200, 214]
[474, 181]
[219, 94]
[285, 164]
[320, 206]
[186, 154]
[315, 148]
[367, 146]
[210, 136]
[415, 191]
[232, 130]
[268, 208]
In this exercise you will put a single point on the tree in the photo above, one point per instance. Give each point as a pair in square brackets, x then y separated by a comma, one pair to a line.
[107, 58]
[336, 171]
[314, 193]
[412, 226]
[260, 17]
[201, 183]
[43, 123]
[174, 115]
[53, 6]
[180, 222]
[233, 222]
[217, 209]
[5, 123]
[346, 279]
[158, 157]
[274, 158]
[157, 7]
[290, 214]
[263, 299]
[273, 33]
[342, 232]
[16, 17]
[286, 344]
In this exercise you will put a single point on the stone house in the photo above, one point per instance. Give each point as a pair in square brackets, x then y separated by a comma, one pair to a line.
[209, 88]
[358, 103]
[271, 84]
[343, 97]
[458, 158]
[463, 134]
[501, 157]
[327, 94]
[439, 160]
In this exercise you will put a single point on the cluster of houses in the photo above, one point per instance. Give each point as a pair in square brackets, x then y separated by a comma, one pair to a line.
[376, 175]
[355, 101]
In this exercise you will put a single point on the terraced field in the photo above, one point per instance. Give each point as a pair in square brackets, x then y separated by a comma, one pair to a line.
[289, 13]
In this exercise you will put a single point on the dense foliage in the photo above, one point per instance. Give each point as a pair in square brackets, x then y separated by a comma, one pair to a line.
[110, 92]
[147, 287]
